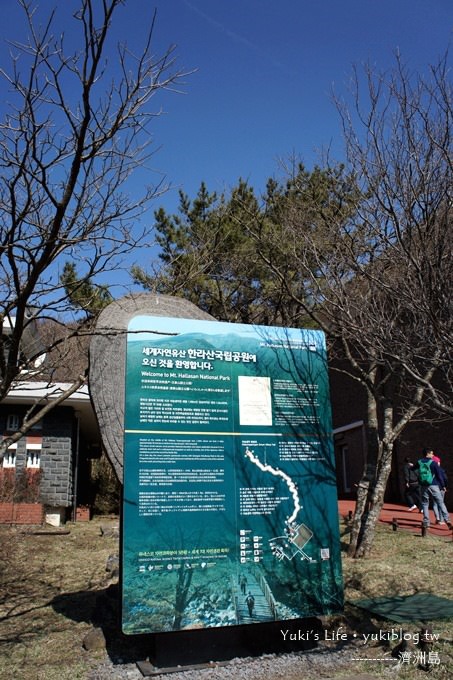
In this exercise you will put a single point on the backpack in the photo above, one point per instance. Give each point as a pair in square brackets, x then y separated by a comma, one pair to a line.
[425, 474]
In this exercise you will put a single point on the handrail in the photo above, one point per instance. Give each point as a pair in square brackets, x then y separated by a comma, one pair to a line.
[235, 599]
[267, 592]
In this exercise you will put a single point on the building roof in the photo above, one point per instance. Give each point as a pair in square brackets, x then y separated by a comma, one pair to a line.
[28, 392]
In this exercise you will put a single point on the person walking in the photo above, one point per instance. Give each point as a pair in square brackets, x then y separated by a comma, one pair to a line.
[443, 488]
[412, 488]
[243, 583]
[250, 602]
[431, 484]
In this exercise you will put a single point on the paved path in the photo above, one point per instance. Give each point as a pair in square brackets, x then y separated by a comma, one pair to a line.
[408, 521]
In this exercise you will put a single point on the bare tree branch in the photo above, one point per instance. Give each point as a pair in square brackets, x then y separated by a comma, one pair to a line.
[76, 127]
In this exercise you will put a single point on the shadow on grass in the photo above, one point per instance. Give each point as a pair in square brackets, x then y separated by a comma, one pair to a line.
[185, 647]
[101, 610]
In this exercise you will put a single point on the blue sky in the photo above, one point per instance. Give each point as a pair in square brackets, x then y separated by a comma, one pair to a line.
[263, 76]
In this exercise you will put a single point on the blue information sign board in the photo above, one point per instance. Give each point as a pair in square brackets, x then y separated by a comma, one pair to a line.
[229, 509]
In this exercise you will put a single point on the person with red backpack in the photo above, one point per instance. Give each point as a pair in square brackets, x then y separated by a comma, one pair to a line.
[432, 483]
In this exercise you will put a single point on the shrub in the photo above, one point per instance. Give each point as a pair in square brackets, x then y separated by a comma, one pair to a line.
[23, 486]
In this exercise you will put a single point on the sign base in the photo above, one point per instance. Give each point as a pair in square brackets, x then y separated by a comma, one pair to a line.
[216, 645]
[147, 669]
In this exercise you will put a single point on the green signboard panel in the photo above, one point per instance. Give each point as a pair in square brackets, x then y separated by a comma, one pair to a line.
[230, 509]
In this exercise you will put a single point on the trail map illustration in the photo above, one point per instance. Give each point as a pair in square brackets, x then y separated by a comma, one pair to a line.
[229, 505]
[278, 473]
[296, 535]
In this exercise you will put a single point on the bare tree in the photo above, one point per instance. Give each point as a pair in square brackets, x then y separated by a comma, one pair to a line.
[378, 276]
[75, 128]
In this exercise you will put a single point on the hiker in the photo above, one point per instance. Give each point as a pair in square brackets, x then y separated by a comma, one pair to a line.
[443, 488]
[250, 602]
[412, 489]
[431, 484]
[243, 583]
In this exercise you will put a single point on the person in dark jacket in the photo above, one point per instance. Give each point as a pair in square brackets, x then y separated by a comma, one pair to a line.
[250, 602]
[412, 486]
[443, 488]
[433, 489]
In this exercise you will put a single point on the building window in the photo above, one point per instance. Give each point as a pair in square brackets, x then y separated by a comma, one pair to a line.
[34, 446]
[34, 458]
[12, 422]
[9, 459]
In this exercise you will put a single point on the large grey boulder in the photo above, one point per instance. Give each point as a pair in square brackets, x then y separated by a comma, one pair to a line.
[108, 361]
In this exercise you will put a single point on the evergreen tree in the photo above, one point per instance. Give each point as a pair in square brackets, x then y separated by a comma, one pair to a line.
[82, 293]
[219, 251]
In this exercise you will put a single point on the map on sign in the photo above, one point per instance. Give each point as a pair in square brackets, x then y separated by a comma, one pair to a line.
[296, 536]
[279, 473]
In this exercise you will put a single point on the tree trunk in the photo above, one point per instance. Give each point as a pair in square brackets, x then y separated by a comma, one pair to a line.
[364, 490]
[376, 494]
[371, 490]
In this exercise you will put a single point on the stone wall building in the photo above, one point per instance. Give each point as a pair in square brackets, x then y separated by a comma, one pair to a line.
[59, 448]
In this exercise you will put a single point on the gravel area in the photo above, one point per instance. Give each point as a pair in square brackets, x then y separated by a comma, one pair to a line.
[323, 662]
